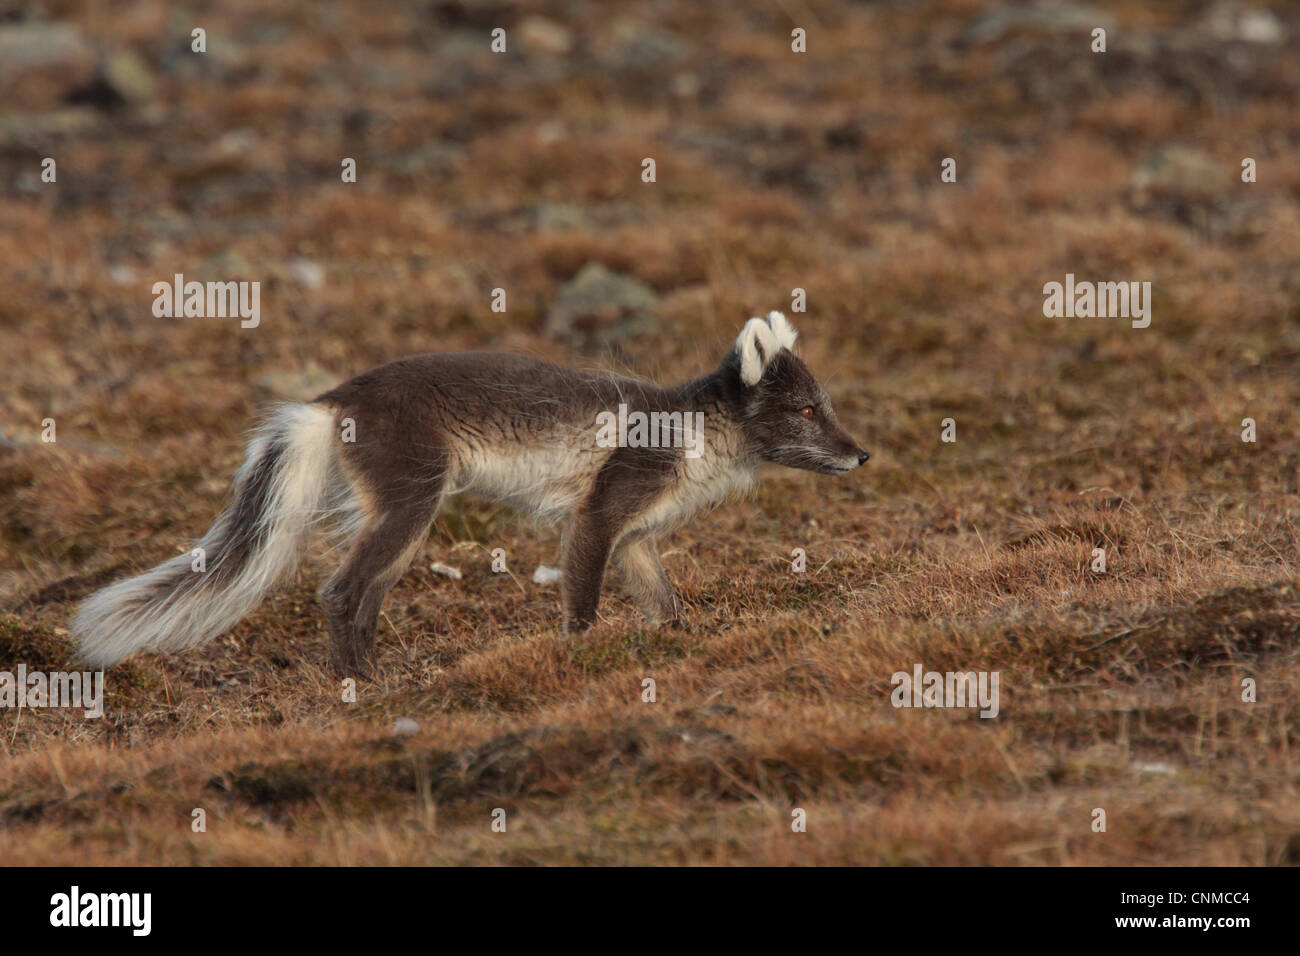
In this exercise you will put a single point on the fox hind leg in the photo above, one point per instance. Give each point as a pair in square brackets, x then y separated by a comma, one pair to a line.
[352, 597]
[585, 558]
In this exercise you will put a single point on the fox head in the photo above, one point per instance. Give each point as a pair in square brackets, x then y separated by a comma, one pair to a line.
[784, 412]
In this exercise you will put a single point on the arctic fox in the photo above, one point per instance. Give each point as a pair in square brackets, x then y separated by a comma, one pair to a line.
[378, 455]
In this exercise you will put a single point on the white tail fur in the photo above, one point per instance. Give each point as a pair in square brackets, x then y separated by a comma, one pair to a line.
[289, 480]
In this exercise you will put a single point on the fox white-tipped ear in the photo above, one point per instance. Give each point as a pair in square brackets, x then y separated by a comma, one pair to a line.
[757, 345]
[782, 329]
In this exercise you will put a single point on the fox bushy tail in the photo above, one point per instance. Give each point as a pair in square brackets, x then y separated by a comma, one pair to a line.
[290, 479]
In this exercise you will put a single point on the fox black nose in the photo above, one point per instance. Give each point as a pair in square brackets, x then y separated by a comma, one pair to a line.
[863, 456]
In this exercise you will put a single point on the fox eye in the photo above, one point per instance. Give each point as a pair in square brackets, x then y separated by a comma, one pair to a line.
[808, 412]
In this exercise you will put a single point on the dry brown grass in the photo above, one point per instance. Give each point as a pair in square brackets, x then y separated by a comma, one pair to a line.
[1119, 690]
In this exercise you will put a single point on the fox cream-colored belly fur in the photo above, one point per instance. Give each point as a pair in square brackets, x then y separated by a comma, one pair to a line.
[545, 481]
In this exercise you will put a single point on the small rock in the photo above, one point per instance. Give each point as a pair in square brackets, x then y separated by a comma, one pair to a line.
[1229, 21]
[1260, 26]
[1064, 18]
[129, 76]
[687, 85]
[559, 217]
[545, 575]
[224, 266]
[405, 726]
[551, 131]
[1163, 769]
[543, 35]
[640, 47]
[29, 47]
[236, 143]
[28, 181]
[1180, 170]
[446, 570]
[307, 273]
[602, 304]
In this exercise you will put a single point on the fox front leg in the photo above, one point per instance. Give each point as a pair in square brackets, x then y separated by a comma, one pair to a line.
[629, 481]
[637, 560]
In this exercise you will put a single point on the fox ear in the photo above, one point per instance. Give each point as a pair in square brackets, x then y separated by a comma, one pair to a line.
[782, 329]
[757, 346]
